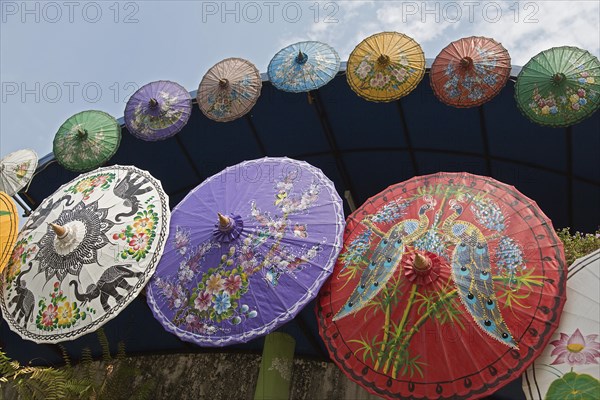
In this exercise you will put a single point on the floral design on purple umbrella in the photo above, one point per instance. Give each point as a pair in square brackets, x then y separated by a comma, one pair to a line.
[265, 242]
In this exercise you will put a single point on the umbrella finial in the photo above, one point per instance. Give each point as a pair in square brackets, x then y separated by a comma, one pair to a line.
[301, 58]
[224, 222]
[81, 133]
[60, 231]
[383, 60]
[421, 263]
[153, 103]
[223, 83]
[558, 78]
[466, 62]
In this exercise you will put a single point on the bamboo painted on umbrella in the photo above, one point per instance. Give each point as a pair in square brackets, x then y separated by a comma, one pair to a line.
[470, 71]
[559, 87]
[385, 67]
[87, 140]
[448, 286]
[229, 89]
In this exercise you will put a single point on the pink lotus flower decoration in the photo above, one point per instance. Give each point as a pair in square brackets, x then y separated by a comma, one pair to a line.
[576, 349]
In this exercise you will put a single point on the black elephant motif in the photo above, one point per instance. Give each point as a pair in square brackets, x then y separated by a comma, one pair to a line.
[128, 189]
[111, 279]
[24, 300]
[40, 214]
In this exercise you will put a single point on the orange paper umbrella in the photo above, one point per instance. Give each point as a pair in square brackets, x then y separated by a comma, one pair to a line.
[448, 287]
[9, 227]
[470, 71]
[229, 89]
[385, 66]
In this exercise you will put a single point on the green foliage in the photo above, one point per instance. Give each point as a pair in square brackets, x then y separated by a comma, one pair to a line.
[39, 382]
[114, 381]
[579, 244]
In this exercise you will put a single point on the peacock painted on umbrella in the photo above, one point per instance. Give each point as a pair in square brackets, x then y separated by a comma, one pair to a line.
[468, 264]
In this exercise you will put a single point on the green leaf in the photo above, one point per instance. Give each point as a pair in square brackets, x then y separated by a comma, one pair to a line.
[573, 386]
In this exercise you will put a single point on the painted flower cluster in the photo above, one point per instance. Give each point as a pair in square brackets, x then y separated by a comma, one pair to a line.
[509, 257]
[354, 252]
[170, 111]
[390, 77]
[473, 83]
[223, 103]
[217, 294]
[21, 253]
[294, 75]
[139, 235]
[22, 168]
[488, 214]
[87, 185]
[59, 313]
[571, 101]
[391, 211]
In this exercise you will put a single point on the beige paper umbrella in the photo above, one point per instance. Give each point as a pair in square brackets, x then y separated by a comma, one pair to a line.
[229, 89]
[16, 170]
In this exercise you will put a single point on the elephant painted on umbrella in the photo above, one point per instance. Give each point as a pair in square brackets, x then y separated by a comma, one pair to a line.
[111, 279]
[128, 189]
[40, 214]
[24, 300]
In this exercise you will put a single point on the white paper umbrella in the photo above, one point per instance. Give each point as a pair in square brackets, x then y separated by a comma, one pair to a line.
[568, 368]
[16, 170]
[84, 254]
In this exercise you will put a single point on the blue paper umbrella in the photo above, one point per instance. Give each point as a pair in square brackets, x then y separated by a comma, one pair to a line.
[303, 66]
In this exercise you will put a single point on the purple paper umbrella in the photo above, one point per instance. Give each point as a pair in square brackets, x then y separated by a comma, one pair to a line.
[158, 110]
[248, 249]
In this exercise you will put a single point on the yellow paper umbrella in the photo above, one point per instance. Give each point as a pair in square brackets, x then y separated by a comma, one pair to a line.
[385, 66]
[9, 227]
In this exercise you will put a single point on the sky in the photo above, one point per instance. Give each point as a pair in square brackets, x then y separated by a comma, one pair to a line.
[58, 58]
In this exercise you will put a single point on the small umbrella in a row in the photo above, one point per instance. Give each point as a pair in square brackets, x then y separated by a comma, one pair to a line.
[558, 87]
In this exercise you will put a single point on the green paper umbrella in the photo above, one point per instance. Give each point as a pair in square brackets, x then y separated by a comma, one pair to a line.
[559, 87]
[87, 140]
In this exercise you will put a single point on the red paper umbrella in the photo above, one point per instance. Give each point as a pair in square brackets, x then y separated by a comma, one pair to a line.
[448, 286]
[470, 71]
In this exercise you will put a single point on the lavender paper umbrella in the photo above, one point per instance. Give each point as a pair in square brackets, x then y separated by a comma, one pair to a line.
[249, 248]
[158, 110]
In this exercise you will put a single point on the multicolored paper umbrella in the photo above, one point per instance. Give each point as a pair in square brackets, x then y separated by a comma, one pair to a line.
[303, 66]
[158, 110]
[84, 254]
[248, 249]
[229, 89]
[385, 67]
[448, 286]
[559, 87]
[87, 140]
[568, 366]
[470, 71]
[9, 227]
[16, 170]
